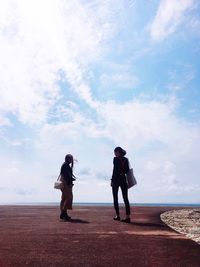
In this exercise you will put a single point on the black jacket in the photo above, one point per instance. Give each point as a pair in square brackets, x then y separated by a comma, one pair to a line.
[120, 168]
[66, 172]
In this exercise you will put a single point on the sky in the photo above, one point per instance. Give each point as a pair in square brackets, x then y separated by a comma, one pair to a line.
[83, 77]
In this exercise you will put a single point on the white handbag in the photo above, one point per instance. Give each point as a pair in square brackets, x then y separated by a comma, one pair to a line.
[58, 183]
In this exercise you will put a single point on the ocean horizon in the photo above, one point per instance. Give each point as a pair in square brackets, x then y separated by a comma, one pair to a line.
[101, 204]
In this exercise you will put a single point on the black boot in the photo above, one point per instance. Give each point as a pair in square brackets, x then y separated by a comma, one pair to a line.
[62, 215]
[67, 217]
[116, 218]
[127, 220]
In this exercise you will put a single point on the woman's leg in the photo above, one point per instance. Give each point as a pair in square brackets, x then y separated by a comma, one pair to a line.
[62, 202]
[125, 197]
[115, 189]
[63, 196]
[68, 198]
[66, 201]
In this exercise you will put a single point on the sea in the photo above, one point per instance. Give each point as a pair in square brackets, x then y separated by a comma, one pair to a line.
[192, 205]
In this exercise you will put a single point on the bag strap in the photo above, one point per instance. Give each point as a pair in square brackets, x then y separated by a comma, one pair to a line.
[129, 165]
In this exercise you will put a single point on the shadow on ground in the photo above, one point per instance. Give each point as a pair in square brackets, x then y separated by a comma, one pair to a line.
[148, 224]
[78, 221]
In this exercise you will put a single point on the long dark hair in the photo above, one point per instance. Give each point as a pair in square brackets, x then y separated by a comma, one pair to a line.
[121, 151]
[69, 159]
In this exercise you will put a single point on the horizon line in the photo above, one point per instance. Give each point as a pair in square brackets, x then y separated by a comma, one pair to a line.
[104, 203]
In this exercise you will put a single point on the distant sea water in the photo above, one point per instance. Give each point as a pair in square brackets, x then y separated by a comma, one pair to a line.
[193, 205]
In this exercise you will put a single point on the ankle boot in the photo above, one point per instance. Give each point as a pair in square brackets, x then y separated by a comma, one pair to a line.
[66, 216]
[127, 220]
[62, 215]
[116, 218]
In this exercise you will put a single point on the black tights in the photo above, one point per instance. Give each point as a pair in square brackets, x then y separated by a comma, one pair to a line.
[124, 189]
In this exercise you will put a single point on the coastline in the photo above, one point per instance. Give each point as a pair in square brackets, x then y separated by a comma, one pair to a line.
[102, 204]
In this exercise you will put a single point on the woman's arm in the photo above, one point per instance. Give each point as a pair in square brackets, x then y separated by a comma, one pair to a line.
[114, 168]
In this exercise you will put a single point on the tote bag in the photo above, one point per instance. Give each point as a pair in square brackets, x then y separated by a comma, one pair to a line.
[131, 181]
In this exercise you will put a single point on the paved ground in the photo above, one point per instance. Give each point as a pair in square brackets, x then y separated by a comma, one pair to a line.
[34, 236]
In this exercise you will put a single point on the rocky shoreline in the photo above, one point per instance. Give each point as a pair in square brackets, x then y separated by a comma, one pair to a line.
[185, 221]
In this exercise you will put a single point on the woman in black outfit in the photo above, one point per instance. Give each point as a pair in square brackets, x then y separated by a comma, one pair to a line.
[67, 179]
[120, 168]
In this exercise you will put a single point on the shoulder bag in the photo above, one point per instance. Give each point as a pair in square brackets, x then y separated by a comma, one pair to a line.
[58, 183]
[130, 177]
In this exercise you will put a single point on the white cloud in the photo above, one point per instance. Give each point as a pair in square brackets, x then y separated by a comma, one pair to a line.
[4, 121]
[138, 120]
[46, 43]
[148, 121]
[119, 80]
[194, 26]
[169, 16]
[41, 44]
[168, 143]
[169, 167]
[162, 149]
[38, 40]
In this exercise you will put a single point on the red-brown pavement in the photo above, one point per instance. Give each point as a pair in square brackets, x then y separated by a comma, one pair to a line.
[35, 236]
